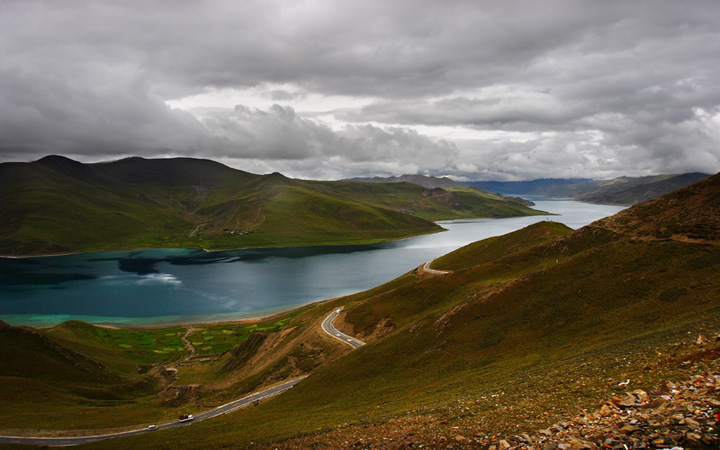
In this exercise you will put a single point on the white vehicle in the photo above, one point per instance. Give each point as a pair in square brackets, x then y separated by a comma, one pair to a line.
[186, 418]
[152, 427]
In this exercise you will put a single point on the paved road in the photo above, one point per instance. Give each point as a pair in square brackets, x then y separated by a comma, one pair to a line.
[224, 409]
[426, 268]
[328, 327]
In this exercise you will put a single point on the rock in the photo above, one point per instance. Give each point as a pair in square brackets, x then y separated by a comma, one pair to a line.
[654, 403]
[629, 401]
[641, 395]
[701, 340]
[460, 438]
[577, 444]
[662, 388]
[691, 422]
[605, 411]
[693, 437]
[550, 446]
[629, 429]
[504, 445]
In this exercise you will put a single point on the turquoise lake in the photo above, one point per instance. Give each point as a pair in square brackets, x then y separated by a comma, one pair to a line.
[170, 286]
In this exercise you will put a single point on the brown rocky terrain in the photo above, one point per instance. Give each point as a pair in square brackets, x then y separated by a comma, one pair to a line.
[672, 414]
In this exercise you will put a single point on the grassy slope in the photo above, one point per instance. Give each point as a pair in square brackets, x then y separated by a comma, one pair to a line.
[494, 248]
[288, 212]
[38, 370]
[50, 212]
[58, 205]
[93, 377]
[551, 325]
[430, 204]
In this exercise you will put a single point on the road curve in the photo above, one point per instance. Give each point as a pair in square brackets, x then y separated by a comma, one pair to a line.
[328, 327]
[426, 268]
[224, 409]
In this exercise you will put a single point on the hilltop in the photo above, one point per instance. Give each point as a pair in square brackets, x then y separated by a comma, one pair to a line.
[57, 205]
[524, 332]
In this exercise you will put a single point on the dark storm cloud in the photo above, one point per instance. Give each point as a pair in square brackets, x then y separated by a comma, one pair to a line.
[584, 88]
[282, 136]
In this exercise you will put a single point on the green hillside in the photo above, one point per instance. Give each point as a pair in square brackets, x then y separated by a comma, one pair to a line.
[494, 248]
[527, 329]
[58, 205]
[91, 377]
[442, 197]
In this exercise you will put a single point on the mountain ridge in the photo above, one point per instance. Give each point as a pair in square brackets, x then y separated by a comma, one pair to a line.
[427, 181]
[57, 205]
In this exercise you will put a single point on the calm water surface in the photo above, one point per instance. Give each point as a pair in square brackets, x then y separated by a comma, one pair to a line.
[154, 287]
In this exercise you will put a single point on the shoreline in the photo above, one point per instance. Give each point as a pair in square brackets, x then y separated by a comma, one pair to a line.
[226, 321]
[205, 250]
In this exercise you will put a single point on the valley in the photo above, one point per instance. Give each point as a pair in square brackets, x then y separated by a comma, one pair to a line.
[524, 331]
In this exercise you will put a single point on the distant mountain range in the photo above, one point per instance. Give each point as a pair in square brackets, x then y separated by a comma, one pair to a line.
[57, 205]
[619, 191]
[421, 180]
[532, 187]
[431, 182]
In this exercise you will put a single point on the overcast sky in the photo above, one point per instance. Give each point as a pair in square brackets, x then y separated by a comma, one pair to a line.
[477, 90]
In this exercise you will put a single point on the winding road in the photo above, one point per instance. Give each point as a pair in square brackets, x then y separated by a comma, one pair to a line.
[224, 409]
[328, 327]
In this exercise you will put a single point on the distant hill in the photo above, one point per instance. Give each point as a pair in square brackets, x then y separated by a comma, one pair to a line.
[532, 187]
[422, 180]
[441, 183]
[619, 191]
[628, 190]
[57, 205]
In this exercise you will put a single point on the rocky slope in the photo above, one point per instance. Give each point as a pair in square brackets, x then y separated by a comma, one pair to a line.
[671, 415]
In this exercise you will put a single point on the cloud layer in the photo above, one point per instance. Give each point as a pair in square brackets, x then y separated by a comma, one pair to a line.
[323, 89]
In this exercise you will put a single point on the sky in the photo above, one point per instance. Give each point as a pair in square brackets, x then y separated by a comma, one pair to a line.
[329, 89]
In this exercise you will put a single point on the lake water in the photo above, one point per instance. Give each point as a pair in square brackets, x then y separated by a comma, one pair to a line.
[169, 286]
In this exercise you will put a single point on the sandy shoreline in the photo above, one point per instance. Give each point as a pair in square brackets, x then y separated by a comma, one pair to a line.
[220, 321]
